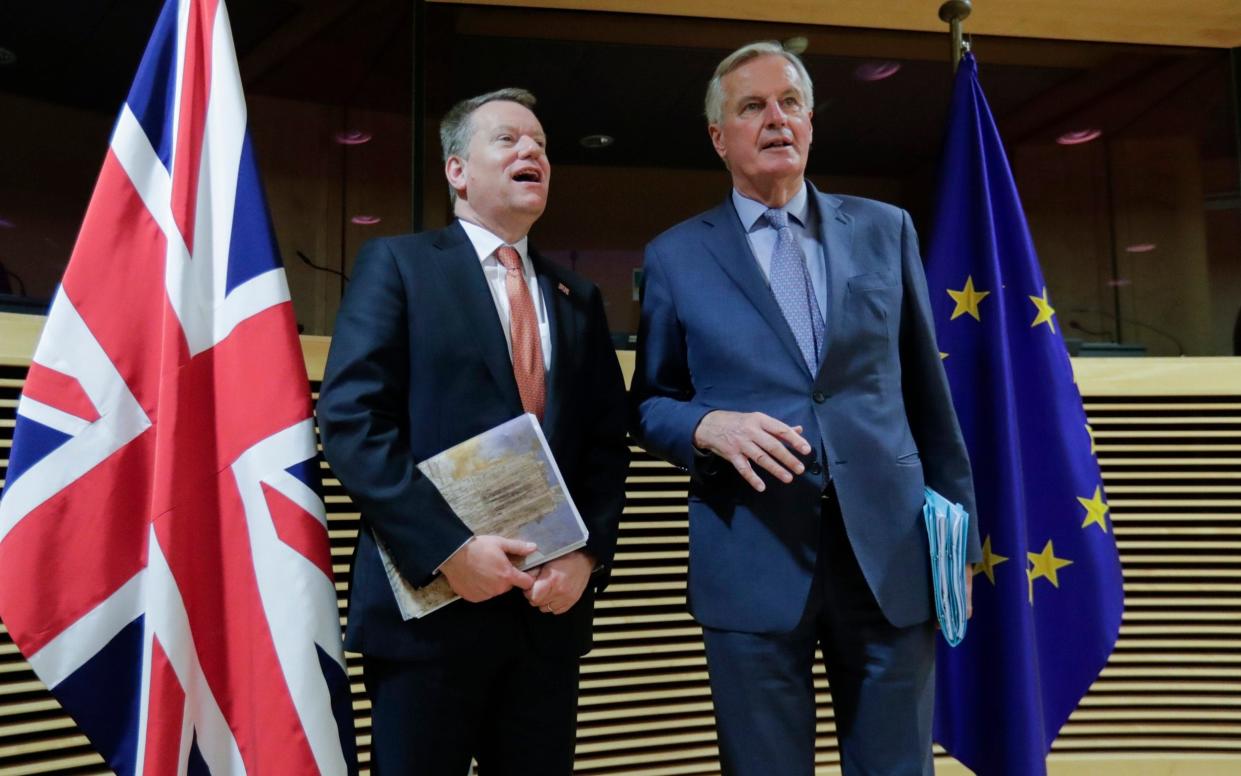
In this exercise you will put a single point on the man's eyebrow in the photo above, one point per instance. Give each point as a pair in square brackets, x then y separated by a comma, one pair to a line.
[508, 129]
[758, 98]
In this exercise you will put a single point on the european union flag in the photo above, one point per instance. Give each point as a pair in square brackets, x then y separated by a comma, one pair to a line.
[1047, 596]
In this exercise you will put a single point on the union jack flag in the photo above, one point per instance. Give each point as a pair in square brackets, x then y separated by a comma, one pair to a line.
[164, 558]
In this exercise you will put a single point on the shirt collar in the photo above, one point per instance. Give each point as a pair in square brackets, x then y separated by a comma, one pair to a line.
[485, 243]
[750, 210]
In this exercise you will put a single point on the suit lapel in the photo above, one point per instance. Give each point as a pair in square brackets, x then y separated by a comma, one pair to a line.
[836, 237]
[563, 325]
[464, 281]
[728, 244]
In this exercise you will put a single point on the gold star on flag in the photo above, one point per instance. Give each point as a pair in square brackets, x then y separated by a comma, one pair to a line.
[942, 355]
[1044, 565]
[989, 561]
[1045, 311]
[1096, 509]
[967, 300]
[1090, 433]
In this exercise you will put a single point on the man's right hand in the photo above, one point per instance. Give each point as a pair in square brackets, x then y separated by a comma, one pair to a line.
[483, 568]
[744, 437]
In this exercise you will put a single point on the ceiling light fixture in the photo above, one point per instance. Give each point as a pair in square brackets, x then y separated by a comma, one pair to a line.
[876, 71]
[597, 141]
[1077, 137]
[1140, 248]
[366, 220]
[797, 44]
[351, 137]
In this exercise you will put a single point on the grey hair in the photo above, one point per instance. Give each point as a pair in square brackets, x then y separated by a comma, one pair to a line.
[458, 124]
[715, 88]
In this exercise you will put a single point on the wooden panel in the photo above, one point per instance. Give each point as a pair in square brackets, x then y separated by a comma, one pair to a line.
[316, 186]
[1215, 23]
[303, 178]
[1168, 433]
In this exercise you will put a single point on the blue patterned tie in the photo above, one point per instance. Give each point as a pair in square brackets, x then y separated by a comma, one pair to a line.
[790, 282]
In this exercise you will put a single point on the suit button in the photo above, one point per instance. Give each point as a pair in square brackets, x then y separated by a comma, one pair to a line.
[818, 397]
[816, 469]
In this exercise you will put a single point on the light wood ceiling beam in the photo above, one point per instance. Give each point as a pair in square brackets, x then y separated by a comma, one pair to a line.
[1209, 23]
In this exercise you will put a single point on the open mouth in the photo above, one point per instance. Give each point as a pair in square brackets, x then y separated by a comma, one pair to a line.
[528, 176]
[778, 143]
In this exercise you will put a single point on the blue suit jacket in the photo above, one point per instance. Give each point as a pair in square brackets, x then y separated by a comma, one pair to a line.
[878, 411]
[418, 363]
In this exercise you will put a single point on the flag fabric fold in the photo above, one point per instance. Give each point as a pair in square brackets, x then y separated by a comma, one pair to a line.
[164, 556]
[1048, 594]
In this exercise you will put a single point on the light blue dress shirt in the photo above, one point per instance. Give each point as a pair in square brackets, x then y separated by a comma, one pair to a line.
[805, 225]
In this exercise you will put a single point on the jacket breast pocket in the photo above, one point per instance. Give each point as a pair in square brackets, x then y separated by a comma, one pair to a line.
[873, 299]
[871, 281]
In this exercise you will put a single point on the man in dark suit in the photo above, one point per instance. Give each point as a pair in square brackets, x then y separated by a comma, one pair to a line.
[441, 336]
[786, 358]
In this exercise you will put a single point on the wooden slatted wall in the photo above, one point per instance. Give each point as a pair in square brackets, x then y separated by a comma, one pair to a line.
[1170, 694]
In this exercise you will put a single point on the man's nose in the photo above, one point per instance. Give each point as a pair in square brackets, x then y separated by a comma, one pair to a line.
[528, 147]
[774, 115]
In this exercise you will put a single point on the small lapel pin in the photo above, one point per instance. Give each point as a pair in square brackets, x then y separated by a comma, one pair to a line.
[562, 288]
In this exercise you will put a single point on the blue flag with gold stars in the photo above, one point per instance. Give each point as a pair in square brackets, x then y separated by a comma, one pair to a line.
[1047, 596]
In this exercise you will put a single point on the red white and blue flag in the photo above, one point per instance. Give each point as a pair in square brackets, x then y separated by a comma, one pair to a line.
[164, 558]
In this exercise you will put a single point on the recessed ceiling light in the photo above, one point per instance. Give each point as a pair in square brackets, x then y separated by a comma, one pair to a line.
[597, 141]
[797, 44]
[876, 71]
[353, 137]
[7, 56]
[366, 220]
[1140, 248]
[1077, 137]
[1119, 282]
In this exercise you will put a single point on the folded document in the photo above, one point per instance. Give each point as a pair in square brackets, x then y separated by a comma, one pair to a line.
[947, 531]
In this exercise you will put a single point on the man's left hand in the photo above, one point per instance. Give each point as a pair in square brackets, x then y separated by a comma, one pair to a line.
[559, 583]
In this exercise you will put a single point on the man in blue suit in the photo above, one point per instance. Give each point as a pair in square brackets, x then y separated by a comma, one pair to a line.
[441, 336]
[786, 358]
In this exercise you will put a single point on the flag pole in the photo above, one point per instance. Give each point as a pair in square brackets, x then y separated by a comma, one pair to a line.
[954, 12]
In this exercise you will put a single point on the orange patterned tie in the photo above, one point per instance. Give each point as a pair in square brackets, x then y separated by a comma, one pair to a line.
[524, 331]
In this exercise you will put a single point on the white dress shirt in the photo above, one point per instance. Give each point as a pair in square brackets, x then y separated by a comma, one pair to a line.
[485, 245]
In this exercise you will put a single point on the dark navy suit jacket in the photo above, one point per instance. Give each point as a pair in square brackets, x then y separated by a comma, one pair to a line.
[419, 362]
[877, 411]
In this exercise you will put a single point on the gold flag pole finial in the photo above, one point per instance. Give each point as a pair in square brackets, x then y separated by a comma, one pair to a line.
[955, 12]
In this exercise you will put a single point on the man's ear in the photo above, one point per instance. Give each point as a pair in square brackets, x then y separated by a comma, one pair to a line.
[717, 140]
[455, 172]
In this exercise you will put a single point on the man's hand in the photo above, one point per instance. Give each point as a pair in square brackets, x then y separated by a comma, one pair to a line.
[742, 437]
[559, 583]
[482, 569]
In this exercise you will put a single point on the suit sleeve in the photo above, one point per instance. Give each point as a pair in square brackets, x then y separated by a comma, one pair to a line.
[364, 421]
[928, 402]
[664, 412]
[601, 495]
